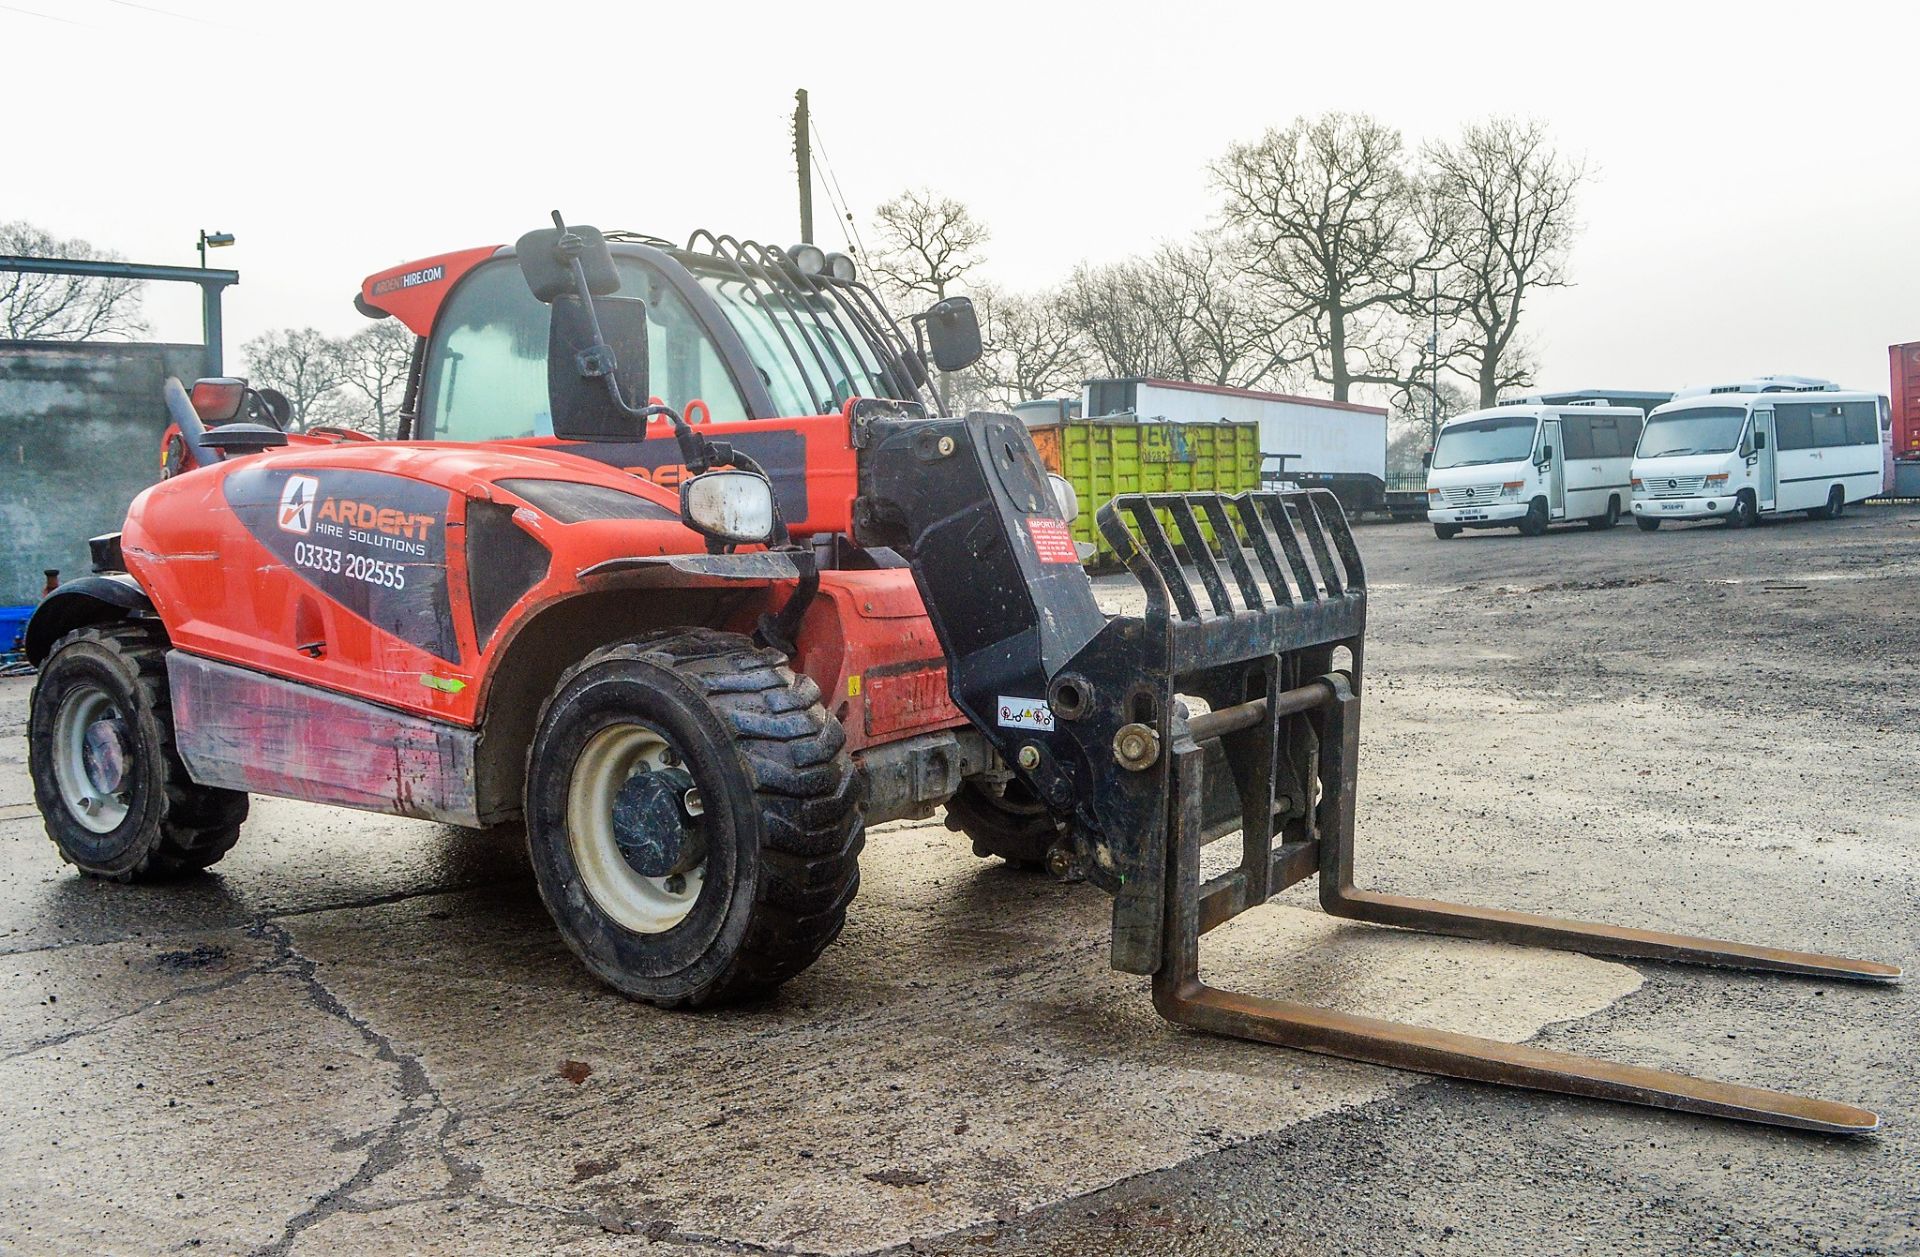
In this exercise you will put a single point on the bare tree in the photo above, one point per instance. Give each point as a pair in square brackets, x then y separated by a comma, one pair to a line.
[1120, 312]
[305, 365]
[928, 243]
[63, 307]
[1328, 208]
[1031, 349]
[1225, 325]
[374, 365]
[1502, 211]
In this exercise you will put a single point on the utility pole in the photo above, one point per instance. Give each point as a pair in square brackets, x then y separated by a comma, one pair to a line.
[1433, 363]
[803, 158]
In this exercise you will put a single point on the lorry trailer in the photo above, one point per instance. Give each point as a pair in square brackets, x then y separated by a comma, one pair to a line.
[1310, 441]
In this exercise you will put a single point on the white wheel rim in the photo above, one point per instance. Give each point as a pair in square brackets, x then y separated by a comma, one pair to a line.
[644, 905]
[93, 807]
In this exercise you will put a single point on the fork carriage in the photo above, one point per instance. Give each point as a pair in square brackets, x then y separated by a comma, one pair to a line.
[1257, 605]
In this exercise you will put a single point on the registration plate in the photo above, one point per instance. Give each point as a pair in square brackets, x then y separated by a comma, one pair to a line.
[1671, 506]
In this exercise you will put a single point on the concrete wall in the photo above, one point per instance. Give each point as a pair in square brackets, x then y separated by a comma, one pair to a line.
[80, 427]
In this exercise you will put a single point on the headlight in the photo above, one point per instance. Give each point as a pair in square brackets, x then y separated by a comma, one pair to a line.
[840, 267]
[1636, 484]
[1063, 493]
[1511, 489]
[810, 259]
[1715, 484]
[730, 505]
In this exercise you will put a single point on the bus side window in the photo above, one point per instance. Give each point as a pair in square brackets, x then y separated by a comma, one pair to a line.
[1863, 427]
[1829, 426]
[1576, 434]
[1793, 426]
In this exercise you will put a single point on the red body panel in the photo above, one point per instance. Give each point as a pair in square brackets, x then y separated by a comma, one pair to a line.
[413, 292]
[1904, 394]
[233, 575]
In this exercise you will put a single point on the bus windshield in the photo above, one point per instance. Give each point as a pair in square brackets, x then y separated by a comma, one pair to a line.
[1701, 430]
[1504, 439]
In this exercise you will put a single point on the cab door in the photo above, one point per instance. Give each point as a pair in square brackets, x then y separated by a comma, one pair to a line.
[1760, 460]
[1556, 468]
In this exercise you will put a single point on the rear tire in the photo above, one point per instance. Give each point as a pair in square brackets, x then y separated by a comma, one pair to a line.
[1647, 523]
[1744, 513]
[1446, 532]
[758, 848]
[1534, 522]
[1835, 507]
[1600, 523]
[116, 798]
[1015, 826]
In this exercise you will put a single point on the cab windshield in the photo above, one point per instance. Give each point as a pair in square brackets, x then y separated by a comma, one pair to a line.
[808, 357]
[1502, 439]
[1701, 430]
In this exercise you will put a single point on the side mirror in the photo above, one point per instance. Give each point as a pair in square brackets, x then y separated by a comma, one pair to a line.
[596, 343]
[579, 364]
[953, 333]
[546, 261]
[278, 408]
[1426, 460]
[1546, 455]
[1759, 440]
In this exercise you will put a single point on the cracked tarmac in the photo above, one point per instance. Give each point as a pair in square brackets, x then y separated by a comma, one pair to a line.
[363, 1035]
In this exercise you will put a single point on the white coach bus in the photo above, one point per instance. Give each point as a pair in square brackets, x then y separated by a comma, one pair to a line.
[1740, 456]
[1527, 466]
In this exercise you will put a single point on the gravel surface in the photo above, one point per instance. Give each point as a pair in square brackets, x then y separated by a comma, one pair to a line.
[362, 1035]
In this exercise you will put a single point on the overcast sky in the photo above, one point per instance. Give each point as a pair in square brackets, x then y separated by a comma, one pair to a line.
[1755, 169]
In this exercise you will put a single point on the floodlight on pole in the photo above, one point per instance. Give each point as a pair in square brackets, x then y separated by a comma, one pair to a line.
[212, 240]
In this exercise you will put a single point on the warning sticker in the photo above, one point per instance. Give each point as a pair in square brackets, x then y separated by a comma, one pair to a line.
[1025, 713]
[1052, 543]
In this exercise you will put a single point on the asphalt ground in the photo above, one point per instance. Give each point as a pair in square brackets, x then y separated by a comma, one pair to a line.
[363, 1035]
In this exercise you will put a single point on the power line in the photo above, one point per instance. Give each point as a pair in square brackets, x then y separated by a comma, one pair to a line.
[147, 8]
[849, 230]
[47, 17]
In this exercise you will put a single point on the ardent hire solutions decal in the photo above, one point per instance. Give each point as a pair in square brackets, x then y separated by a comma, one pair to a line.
[374, 543]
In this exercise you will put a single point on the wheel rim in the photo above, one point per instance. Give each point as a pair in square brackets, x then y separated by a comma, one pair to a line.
[93, 758]
[642, 904]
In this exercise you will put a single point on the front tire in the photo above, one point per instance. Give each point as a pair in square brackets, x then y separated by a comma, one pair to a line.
[693, 818]
[1534, 522]
[1647, 523]
[116, 798]
[1744, 511]
[1446, 532]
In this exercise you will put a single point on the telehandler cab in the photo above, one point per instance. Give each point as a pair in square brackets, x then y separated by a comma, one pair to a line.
[697, 643]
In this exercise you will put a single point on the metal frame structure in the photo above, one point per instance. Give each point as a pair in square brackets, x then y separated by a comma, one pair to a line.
[212, 284]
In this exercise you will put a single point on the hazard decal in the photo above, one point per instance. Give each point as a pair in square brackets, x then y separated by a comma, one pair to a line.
[373, 543]
[1052, 542]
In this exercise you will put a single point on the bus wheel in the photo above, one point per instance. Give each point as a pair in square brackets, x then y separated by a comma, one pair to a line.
[1648, 523]
[1743, 511]
[1600, 523]
[1836, 505]
[1534, 522]
[1446, 532]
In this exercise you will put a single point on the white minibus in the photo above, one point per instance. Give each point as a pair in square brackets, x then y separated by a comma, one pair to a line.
[1741, 456]
[1523, 466]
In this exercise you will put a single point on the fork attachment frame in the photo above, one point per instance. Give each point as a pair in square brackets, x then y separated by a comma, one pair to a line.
[1256, 605]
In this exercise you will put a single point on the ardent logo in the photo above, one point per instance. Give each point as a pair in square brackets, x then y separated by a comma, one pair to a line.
[296, 504]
